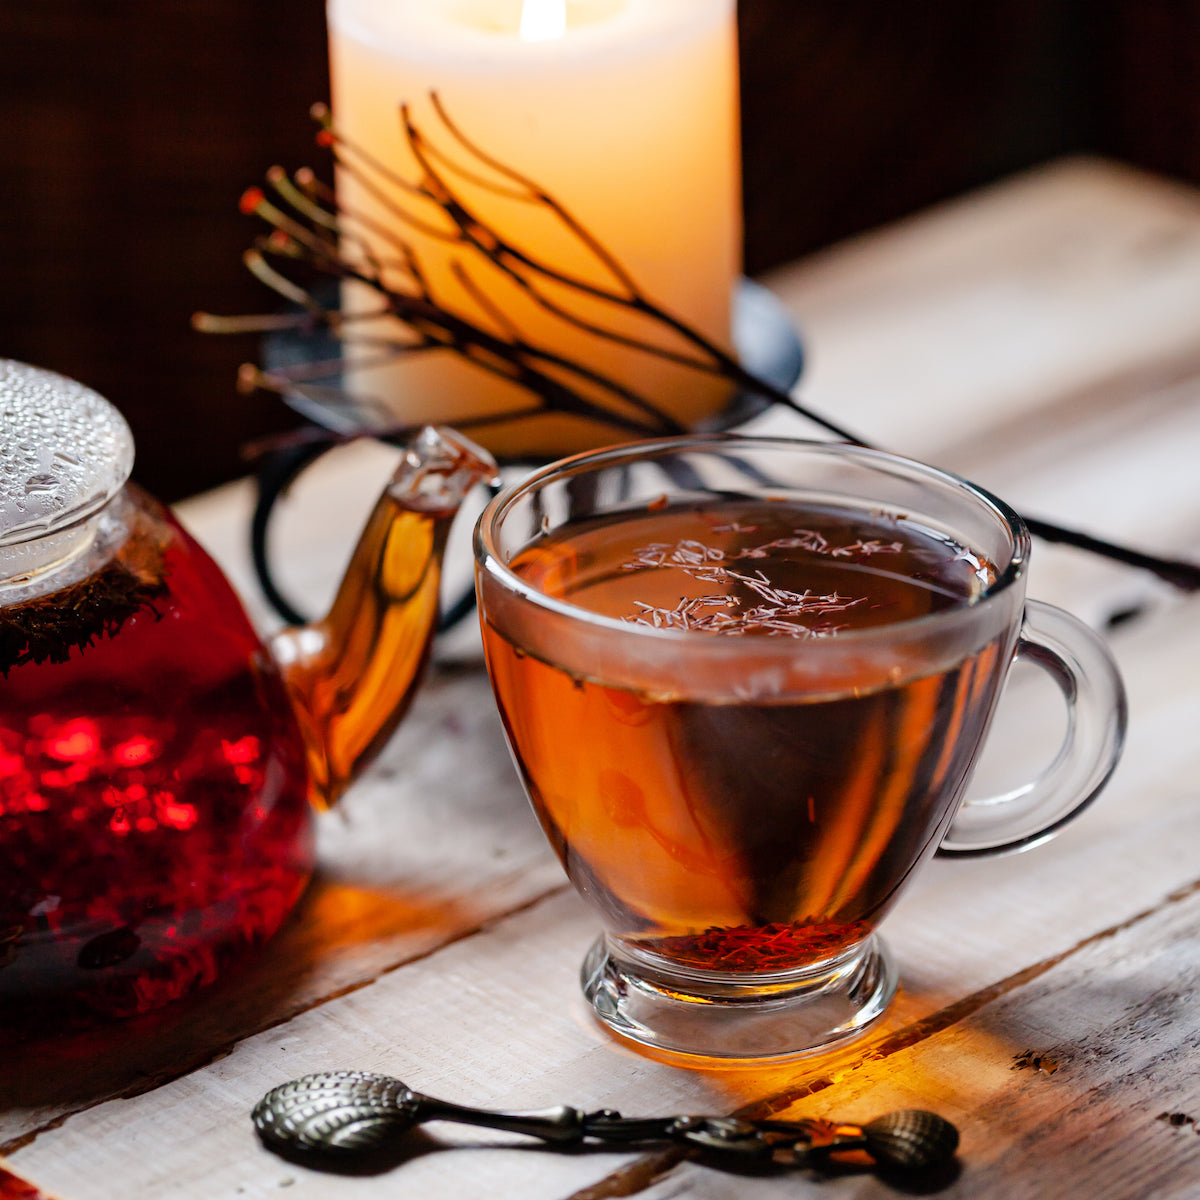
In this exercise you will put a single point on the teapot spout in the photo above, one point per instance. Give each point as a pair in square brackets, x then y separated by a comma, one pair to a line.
[352, 676]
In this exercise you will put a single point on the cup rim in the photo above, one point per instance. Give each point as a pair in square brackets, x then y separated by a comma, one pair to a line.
[488, 558]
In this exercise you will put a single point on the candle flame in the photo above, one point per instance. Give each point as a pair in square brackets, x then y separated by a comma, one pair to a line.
[543, 20]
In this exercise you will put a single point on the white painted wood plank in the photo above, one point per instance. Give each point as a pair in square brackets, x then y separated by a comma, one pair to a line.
[928, 334]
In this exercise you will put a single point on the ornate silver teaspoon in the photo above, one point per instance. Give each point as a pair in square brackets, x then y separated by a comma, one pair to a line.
[347, 1113]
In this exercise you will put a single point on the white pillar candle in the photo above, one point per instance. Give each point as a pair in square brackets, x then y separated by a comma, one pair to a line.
[625, 111]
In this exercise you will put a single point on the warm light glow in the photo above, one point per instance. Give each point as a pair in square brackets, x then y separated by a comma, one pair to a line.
[543, 20]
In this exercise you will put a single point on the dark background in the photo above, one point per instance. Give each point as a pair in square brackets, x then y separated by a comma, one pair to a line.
[132, 126]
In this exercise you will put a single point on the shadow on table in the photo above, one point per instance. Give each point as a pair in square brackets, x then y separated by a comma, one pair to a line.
[647, 1163]
[49, 1068]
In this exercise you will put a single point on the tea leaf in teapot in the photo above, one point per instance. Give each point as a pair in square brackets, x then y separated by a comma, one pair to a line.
[48, 628]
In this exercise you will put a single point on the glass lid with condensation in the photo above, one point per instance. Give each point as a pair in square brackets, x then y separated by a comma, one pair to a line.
[65, 451]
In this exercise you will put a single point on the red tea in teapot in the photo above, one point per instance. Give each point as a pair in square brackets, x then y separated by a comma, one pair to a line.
[153, 791]
[157, 760]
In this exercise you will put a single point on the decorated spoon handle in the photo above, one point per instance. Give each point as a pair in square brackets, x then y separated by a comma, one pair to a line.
[352, 1112]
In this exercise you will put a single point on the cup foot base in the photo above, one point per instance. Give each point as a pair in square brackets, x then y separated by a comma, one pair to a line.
[730, 1025]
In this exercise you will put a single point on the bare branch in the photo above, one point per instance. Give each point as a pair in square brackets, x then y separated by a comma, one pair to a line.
[553, 382]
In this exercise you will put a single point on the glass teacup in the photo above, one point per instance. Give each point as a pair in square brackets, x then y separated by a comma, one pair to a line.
[745, 682]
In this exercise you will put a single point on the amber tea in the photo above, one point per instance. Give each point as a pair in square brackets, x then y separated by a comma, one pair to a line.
[744, 681]
[735, 833]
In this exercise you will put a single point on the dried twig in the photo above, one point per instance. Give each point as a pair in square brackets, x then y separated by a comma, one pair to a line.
[309, 228]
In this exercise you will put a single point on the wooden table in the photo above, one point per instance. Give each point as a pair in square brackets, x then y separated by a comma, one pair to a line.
[1043, 338]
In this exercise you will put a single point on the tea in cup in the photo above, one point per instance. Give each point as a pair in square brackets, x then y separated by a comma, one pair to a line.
[745, 682]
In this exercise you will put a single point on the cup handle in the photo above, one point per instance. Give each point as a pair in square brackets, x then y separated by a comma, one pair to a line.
[1080, 663]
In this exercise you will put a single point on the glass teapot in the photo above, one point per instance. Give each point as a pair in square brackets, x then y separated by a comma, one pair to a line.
[158, 762]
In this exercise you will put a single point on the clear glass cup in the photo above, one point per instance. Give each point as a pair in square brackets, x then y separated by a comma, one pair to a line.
[745, 682]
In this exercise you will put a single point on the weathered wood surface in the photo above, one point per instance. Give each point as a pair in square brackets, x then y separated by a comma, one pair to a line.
[1032, 337]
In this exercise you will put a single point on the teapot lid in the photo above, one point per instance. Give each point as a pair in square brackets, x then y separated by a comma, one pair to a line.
[65, 451]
